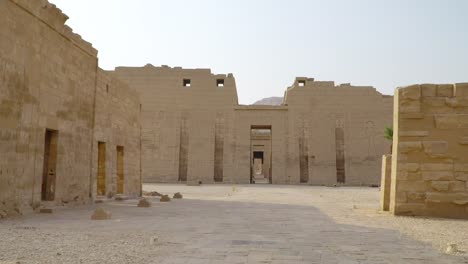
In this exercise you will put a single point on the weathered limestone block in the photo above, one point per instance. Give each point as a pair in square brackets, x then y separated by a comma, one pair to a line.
[385, 183]
[436, 167]
[401, 197]
[414, 176]
[441, 186]
[412, 92]
[144, 203]
[410, 106]
[461, 167]
[437, 175]
[456, 102]
[165, 198]
[461, 202]
[457, 186]
[177, 195]
[419, 197]
[451, 121]
[412, 167]
[461, 89]
[428, 90]
[412, 186]
[46, 210]
[435, 147]
[410, 146]
[414, 133]
[412, 115]
[445, 90]
[463, 141]
[435, 197]
[461, 176]
[101, 214]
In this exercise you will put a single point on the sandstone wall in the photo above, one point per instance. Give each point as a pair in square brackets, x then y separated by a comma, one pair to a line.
[326, 115]
[385, 184]
[430, 161]
[48, 78]
[184, 127]
[179, 123]
[117, 124]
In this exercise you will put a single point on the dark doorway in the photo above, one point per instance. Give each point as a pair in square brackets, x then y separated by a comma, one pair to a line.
[261, 154]
[50, 165]
[120, 169]
[101, 169]
[340, 155]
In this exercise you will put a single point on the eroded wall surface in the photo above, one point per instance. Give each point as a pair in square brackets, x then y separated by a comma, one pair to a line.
[430, 161]
[48, 78]
[180, 121]
[342, 127]
[117, 124]
[322, 134]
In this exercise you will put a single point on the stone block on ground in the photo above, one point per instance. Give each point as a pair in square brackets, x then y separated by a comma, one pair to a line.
[119, 197]
[144, 203]
[165, 198]
[101, 214]
[177, 195]
[46, 211]
[152, 194]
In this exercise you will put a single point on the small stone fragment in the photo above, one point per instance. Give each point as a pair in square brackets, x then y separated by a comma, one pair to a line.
[144, 203]
[98, 201]
[178, 195]
[46, 211]
[165, 198]
[451, 249]
[121, 197]
[101, 214]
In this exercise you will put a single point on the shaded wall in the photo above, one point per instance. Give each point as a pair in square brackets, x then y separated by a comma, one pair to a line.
[117, 124]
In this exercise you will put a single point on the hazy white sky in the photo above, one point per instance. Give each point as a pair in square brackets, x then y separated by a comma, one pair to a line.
[267, 43]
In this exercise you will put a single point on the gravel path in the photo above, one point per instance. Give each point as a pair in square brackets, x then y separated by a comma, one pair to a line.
[235, 224]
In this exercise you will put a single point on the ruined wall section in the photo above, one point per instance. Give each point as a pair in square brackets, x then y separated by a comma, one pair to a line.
[332, 119]
[430, 161]
[182, 105]
[47, 81]
[117, 124]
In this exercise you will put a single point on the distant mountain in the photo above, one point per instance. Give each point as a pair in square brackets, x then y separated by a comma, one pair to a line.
[270, 101]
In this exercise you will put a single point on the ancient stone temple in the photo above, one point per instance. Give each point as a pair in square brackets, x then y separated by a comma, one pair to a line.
[70, 131]
[194, 130]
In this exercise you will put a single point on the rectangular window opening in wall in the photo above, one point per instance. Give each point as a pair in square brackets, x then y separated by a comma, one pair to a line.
[187, 83]
[220, 82]
[301, 83]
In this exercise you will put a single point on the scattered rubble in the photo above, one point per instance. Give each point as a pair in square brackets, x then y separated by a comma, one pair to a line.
[144, 203]
[101, 214]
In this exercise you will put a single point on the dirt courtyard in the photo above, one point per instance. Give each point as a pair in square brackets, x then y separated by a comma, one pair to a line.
[235, 224]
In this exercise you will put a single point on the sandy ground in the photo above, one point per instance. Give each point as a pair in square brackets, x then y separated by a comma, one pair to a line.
[235, 224]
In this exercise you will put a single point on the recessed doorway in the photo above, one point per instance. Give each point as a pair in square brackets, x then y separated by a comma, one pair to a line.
[260, 153]
[49, 165]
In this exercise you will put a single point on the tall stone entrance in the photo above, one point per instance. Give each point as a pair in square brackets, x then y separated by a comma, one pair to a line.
[260, 148]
